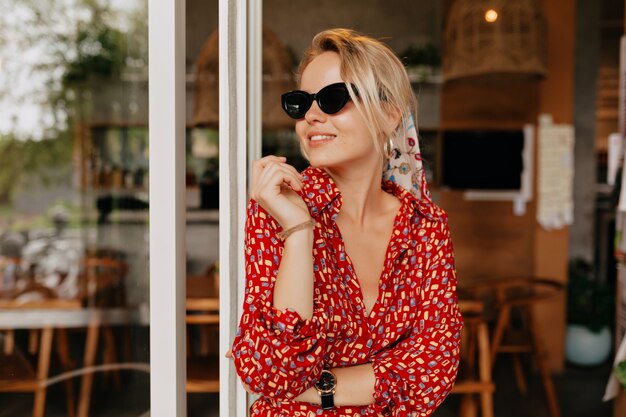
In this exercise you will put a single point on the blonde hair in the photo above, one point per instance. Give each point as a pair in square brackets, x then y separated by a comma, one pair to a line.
[379, 76]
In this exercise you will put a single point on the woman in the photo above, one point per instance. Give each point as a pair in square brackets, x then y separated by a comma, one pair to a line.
[350, 306]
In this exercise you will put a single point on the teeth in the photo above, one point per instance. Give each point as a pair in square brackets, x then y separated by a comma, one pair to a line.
[322, 137]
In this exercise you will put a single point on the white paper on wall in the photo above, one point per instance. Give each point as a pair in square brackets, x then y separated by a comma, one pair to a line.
[615, 155]
[555, 206]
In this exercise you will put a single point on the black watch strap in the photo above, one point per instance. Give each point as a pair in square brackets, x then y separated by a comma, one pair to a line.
[326, 389]
[328, 401]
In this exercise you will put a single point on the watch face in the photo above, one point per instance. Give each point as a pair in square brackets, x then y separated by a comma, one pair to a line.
[327, 382]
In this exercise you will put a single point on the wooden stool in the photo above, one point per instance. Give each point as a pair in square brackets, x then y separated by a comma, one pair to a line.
[520, 294]
[203, 313]
[474, 345]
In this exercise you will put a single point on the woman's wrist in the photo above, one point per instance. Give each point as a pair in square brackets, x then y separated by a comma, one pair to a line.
[309, 396]
[307, 224]
[355, 387]
[299, 237]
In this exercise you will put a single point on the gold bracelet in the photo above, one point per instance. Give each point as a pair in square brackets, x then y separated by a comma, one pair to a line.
[285, 233]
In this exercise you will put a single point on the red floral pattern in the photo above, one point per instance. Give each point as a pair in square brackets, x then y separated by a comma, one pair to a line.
[411, 336]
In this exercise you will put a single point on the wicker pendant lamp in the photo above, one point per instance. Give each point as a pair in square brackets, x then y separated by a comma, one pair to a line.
[277, 78]
[488, 37]
[206, 89]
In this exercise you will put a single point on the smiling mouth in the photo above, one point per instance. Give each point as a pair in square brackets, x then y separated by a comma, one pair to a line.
[321, 138]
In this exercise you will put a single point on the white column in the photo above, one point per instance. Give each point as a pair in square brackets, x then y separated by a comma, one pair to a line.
[233, 132]
[255, 81]
[167, 207]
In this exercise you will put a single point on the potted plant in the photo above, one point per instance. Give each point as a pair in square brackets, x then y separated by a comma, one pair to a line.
[620, 373]
[423, 63]
[590, 314]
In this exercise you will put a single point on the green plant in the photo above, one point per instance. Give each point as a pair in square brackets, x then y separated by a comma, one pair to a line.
[32, 158]
[100, 54]
[590, 302]
[620, 373]
[427, 55]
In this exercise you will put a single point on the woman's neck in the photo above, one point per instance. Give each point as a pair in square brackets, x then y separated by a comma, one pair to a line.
[363, 198]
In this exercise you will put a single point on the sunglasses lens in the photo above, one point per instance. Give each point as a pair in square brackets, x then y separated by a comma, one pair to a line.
[331, 99]
[296, 104]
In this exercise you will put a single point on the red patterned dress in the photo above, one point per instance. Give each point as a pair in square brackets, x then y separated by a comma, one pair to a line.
[411, 336]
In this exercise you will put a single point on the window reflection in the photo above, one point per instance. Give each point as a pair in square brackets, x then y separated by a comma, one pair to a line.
[74, 208]
[202, 197]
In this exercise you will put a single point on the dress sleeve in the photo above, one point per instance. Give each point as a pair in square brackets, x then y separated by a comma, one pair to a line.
[414, 376]
[276, 353]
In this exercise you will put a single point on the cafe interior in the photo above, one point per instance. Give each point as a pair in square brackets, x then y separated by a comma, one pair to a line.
[521, 128]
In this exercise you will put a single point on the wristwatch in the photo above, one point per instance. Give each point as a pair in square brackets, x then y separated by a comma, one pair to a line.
[326, 389]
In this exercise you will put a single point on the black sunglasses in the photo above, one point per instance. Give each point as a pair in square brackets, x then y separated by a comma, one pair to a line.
[330, 100]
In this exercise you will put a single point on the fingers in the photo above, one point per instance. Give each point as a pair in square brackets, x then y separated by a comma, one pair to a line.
[292, 169]
[270, 173]
[259, 164]
[229, 354]
[277, 174]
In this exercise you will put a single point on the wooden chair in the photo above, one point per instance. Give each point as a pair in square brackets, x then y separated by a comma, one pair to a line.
[202, 314]
[519, 295]
[21, 371]
[102, 284]
[474, 345]
[17, 373]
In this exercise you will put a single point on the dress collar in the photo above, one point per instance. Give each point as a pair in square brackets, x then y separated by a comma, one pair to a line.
[321, 193]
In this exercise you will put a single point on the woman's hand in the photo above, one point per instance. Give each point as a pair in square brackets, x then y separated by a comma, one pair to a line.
[273, 185]
[229, 355]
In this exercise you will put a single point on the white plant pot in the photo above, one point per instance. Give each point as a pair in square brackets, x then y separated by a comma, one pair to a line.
[584, 347]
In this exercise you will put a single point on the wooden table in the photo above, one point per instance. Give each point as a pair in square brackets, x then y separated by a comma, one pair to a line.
[70, 314]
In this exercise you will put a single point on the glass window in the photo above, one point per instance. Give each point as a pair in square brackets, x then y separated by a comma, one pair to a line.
[74, 277]
[202, 197]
